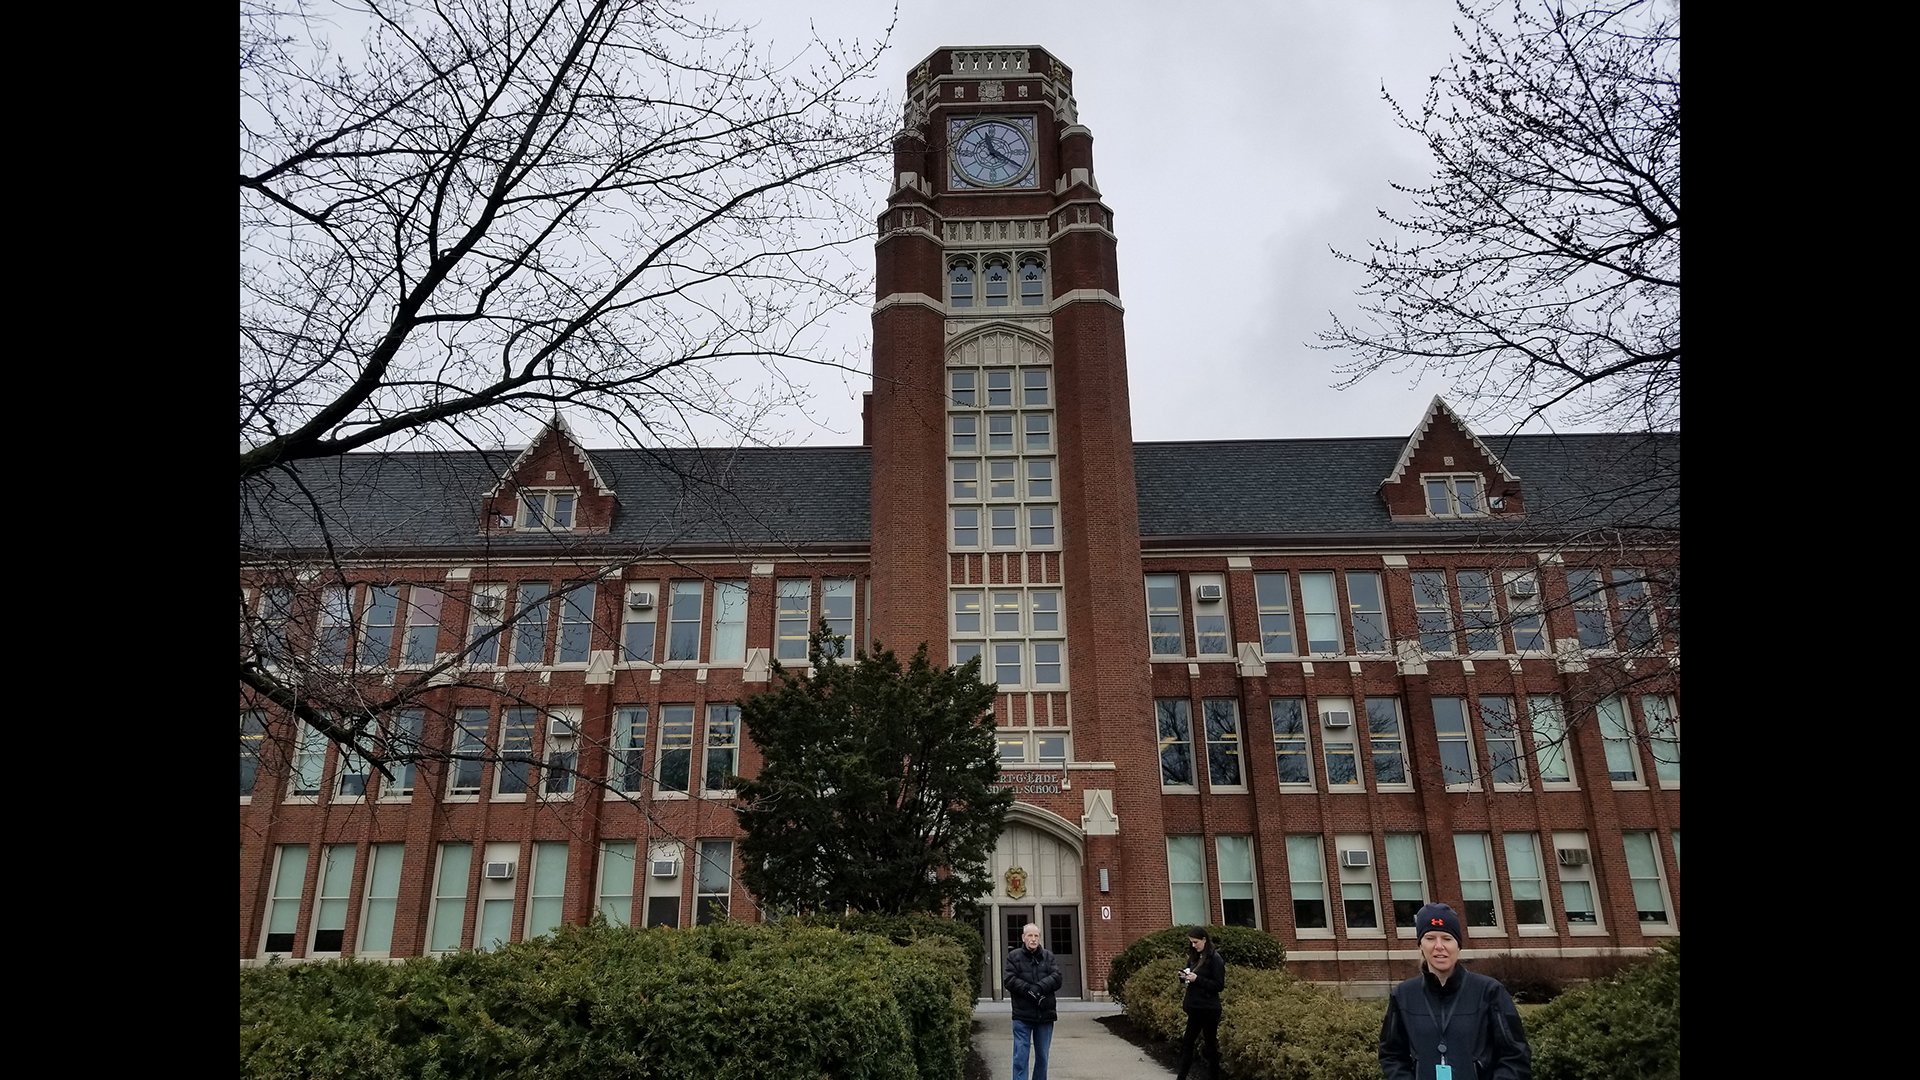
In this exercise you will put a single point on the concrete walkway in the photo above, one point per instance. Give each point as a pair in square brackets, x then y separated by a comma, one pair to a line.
[1083, 1047]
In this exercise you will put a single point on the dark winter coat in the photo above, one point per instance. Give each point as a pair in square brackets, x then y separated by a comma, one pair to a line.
[1483, 1034]
[1203, 993]
[1031, 977]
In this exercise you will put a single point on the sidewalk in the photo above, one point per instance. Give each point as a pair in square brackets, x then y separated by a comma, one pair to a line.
[1083, 1048]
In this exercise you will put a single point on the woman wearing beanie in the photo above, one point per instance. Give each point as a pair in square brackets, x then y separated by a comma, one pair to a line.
[1205, 976]
[1448, 1023]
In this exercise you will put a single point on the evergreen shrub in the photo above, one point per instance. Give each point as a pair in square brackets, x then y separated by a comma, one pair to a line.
[1239, 946]
[1624, 1027]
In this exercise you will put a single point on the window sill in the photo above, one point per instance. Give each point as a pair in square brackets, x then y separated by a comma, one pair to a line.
[622, 796]
[1659, 930]
[671, 795]
[1366, 935]
[1179, 791]
[1538, 931]
[1629, 785]
[463, 798]
[512, 796]
[1587, 930]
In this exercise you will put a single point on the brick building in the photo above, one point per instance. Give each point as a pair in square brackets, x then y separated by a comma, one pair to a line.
[1298, 684]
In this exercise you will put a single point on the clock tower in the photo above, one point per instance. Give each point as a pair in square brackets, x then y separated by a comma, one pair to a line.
[1005, 523]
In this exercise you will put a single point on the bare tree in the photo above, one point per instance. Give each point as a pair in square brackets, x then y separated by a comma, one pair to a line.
[456, 217]
[1539, 268]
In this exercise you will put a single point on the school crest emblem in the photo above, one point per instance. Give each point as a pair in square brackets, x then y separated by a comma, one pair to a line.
[1016, 882]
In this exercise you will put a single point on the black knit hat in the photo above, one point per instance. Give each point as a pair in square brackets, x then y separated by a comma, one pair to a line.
[1438, 917]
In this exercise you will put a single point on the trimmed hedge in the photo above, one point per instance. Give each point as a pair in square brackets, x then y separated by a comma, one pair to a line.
[1624, 1027]
[1239, 946]
[730, 1002]
[1274, 1026]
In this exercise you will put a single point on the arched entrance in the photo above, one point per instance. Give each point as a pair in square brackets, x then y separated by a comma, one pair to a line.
[1038, 857]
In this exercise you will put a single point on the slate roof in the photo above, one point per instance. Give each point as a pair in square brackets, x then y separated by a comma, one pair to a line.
[766, 500]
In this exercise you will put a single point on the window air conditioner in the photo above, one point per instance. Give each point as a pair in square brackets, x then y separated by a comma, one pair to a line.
[1357, 859]
[665, 867]
[1523, 587]
[486, 603]
[1209, 593]
[500, 871]
[1571, 856]
[1337, 718]
[559, 727]
[639, 601]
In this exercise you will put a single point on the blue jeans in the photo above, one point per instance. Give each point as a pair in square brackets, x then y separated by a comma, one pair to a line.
[1041, 1036]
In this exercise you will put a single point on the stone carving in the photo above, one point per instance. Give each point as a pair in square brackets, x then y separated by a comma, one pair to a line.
[992, 91]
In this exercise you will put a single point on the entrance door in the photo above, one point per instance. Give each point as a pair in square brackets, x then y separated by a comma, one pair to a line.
[1060, 933]
[1012, 920]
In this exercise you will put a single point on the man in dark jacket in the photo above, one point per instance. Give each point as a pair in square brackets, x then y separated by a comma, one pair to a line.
[1448, 1023]
[1031, 976]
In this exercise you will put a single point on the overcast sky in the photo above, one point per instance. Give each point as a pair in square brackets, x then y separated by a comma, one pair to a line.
[1188, 102]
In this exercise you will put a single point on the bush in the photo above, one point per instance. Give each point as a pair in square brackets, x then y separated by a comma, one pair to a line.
[729, 1002]
[904, 929]
[1274, 1026]
[1624, 1027]
[1239, 946]
[1538, 979]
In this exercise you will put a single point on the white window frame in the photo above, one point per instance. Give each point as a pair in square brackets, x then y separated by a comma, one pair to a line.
[1338, 743]
[1167, 712]
[1661, 714]
[1212, 629]
[632, 621]
[1163, 615]
[1320, 607]
[1433, 612]
[1522, 848]
[729, 617]
[1500, 727]
[722, 724]
[1473, 855]
[307, 770]
[1634, 606]
[1292, 738]
[539, 509]
[333, 631]
[515, 756]
[284, 892]
[705, 894]
[1581, 875]
[331, 897]
[423, 626]
[1272, 591]
[1526, 623]
[573, 641]
[559, 773]
[678, 740]
[372, 651]
[1552, 745]
[1406, 873]
[1187, 880]
[790, 648]
[1647, 874]
[446, 920]
[1622, 744]
[253, 743]
[401, 733]
[1306, 879]
[1387, 738]
[546, 889]
[1480, 628]
[531, 632]
[1233, 854]
[381, 903]
[679, 617]
[1453, 729]
[1358, 883]
[481, 623]
[627, 764]
[471, 725]
[1374, 617]
[1587, 596]
[1454, 495]
[1220, 728]
[613, 886]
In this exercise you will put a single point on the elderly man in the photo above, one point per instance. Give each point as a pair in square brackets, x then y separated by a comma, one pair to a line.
[1031, 976]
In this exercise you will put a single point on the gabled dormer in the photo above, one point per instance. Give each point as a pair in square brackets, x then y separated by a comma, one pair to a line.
[1446, 474]
[552, 488]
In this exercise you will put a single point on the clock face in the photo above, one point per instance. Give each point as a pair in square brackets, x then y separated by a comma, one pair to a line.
[994, 153]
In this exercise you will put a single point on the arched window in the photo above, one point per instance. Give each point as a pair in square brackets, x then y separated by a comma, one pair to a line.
[960, 285]
[997, 283]
[1033, 281]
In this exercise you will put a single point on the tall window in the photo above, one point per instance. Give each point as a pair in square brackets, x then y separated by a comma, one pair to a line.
[1406, 877]
[1525, 877]
[283, 897]
[1643, 870]
[253, 736]
[403, 737]
[1456, 742]
[1433, 611]
[483, 640]
[616, 881]
[450, 898]
[335, 632]
[275, 644]
[1307, 877]
[1235, 857]
[729, 644]
[1033, 281]
[723, 748]
[330, 905]
[309, 759]
[1163, 615]
[1369, 611]
[836, 607]
[1187, 880]
[562, 752]
[1338, 747]
[1479, 614]
[1589, 609]
[996, 280]
[1663, 736]
[1176, 742]
[714, 881]
[1222, 718]
[674, 773]
[1209, 619]
[1358, 907]
[512, 774]
[793, 618]
[1576, 880]
[1389, 748]
[1616, 734]
[469, 752]
[1276, 613]
[1476, 879]
[351, 774]
[383, 898]
[1523, 611]
[423, 626]
[640, 621]
[1551, 747]
[531, 610]
[1292, 746]
[1322, 609]
[683, 621]
[1502, 730]
[376, 633]
[1636, 610]
[549, 886]
[960, 285]
[576, 625]
[629, 764]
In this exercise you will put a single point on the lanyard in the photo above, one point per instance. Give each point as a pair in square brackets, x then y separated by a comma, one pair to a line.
[1443, 1020]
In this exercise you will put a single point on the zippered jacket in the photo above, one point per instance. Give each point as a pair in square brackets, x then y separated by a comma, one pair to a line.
[1483, 1036]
